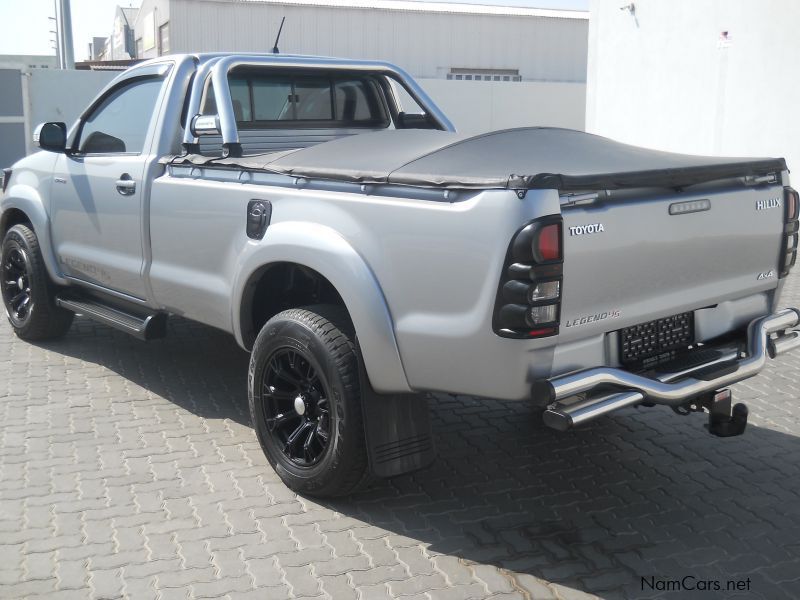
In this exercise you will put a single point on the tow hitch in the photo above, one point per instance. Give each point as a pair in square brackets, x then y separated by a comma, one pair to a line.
[722, 420]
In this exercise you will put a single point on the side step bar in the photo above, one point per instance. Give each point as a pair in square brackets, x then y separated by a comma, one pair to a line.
[144, 327]
[583, 396]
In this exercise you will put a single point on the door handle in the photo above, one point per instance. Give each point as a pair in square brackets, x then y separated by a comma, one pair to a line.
[126, 185]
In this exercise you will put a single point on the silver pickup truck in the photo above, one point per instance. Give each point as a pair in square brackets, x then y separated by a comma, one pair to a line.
[326, 214]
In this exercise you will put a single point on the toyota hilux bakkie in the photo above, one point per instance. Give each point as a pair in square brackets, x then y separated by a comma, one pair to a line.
[327, 214]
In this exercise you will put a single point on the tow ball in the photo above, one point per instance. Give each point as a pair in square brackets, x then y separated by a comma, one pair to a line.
[723, 421]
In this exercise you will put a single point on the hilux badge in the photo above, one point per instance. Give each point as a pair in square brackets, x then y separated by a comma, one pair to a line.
[768, 203]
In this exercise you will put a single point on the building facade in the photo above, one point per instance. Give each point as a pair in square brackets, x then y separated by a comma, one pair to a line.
[488, 67]
[428, 39]
[121, 45]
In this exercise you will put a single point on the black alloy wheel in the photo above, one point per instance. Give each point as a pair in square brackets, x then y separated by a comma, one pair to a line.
[304, 390]
[296, 407]
[29, 295]
[16, 286]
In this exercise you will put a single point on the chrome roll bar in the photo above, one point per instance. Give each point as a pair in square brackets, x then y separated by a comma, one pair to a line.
[218, 69]
[195, 98]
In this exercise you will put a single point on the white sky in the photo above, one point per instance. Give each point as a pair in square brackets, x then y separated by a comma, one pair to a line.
[25, 28]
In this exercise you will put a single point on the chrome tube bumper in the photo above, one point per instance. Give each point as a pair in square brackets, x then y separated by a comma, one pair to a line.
[569, 397]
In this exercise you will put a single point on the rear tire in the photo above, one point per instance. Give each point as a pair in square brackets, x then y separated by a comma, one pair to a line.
[305, 401]
[28, 293]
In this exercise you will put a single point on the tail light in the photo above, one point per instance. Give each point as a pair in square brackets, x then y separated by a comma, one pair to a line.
[528, 303]
[791, 203]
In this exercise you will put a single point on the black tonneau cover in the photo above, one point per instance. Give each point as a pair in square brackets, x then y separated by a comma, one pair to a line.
[525, 158]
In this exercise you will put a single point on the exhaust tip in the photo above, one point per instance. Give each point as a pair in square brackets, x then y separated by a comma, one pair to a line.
[557, 420]
[783, 344]
[543, 392]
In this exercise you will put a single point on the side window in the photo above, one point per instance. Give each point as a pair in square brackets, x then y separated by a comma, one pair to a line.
[356, 100]
[119, 124]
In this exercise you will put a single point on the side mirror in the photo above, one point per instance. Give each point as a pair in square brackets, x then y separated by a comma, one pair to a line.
[51, 136]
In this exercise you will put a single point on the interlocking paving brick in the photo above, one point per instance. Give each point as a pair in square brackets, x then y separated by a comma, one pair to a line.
[301, 580]
[467, 592]
[130, 469]
[105, 584]
[265, 572]
[338, 587]
[375, 575]
[147, 588]
[378, 591]
[227, 585]
[417, 584]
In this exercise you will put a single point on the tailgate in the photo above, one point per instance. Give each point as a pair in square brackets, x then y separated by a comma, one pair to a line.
[631, 260]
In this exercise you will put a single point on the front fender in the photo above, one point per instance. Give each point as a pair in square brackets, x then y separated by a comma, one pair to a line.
[23, 195]
[321, 248]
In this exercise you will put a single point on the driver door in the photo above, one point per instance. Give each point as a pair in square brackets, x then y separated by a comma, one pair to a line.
[97, 207]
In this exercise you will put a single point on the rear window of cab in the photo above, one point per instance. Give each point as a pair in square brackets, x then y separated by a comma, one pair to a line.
[285, 100]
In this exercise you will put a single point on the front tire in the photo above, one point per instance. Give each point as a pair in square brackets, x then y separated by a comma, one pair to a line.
[305, 401]
[28, 294]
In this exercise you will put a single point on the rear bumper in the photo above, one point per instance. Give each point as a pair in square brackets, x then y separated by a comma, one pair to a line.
[582, 396]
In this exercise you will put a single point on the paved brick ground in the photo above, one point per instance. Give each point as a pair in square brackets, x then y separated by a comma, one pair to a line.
[129, 470]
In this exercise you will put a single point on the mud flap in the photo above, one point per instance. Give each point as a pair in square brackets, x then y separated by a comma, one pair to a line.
[397, 429]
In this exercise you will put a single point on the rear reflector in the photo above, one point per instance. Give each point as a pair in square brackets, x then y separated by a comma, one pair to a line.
[542, 332]
[722, 396]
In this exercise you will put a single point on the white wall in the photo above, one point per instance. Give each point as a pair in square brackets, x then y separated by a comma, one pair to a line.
[32, 96]
[56, 95]
[660, 77]
[60, 95]
[477, 106]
